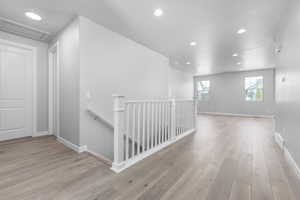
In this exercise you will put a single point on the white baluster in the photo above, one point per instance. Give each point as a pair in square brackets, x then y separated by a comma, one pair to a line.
[144, 128]
[184, 116]
[164, 122]
[156, 124]
[148, 125]
[169, 121]
[152, 125]
[138, 128]
[195, 114]
[180, 117]
[173, 120]
[127, 110]
[159, 123]
[133, 130]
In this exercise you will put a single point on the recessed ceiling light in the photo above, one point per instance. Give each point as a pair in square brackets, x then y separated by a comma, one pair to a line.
[241, 31]
[33, 16]
[238, 63]
[235, 55]
[158, 12]
[193, 43]
[188, 63]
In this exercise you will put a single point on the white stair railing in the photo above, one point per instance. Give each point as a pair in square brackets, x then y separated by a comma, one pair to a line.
[185, 114]
[142, 128]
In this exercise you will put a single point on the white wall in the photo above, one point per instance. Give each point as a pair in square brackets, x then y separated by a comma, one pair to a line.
[97, 63]
[288, 90]
[69, 82]
[42, 76]
[228, 96]
[181, 84]
[112, 64]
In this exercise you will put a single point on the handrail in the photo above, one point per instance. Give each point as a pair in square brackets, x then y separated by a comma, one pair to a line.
[97, 116]
[158, 101]
[148, 101]
[183, 100]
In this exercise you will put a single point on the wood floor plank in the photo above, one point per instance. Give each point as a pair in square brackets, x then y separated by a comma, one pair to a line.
[196, 183]
[262, 189]
[229, 158]
[288, 173]
[240, 191]
[242, 186]
[221, 188]
[278, 180]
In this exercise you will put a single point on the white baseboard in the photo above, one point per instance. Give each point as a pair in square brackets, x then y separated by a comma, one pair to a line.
[117, 168]
[41, 133]
[17, 135]
[280, 141]
[235, 115]
[101, 157]
[13, 135]
[81, 149]
[185, 134]
[78, 149]
[290, 160]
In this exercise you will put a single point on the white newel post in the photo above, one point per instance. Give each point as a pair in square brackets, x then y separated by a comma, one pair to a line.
[173, 120]
[118, 110]
[195, 110]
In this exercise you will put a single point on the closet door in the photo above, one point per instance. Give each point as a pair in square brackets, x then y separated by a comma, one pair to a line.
[16, 92]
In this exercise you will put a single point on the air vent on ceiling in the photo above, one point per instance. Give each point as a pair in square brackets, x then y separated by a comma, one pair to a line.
[16, 28]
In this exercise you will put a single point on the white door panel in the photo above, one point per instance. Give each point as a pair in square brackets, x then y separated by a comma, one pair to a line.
[12, 119]
[11, 103]
[16, 92]
[13, 76]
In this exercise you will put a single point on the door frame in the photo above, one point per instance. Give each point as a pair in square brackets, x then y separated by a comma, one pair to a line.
[34, 81]
[52, 77]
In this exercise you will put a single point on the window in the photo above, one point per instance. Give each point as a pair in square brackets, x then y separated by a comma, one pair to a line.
[203, 90]
[254, 88]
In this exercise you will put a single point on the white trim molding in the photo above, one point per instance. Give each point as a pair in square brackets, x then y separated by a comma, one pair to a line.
[101, 157]
[54, 75]
[41, 133]
[279, 140]
[179, 137]
[78, 149]
[288, 156]
[235, 115]
[82, 149]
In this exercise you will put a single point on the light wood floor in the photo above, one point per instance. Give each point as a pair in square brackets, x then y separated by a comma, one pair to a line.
[229, 158]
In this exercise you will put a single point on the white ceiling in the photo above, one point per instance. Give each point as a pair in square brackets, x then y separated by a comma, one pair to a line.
[210, 23]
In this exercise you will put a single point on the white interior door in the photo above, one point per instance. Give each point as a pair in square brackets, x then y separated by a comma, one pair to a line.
[16, 92]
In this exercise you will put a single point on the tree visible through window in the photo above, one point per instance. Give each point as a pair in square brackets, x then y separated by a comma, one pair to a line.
[254, 88]
[203, 90]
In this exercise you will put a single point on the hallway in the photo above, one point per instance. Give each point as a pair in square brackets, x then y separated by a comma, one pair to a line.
[229, 158]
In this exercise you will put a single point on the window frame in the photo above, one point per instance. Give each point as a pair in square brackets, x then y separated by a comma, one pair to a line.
[263, 89]
[198, 91]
